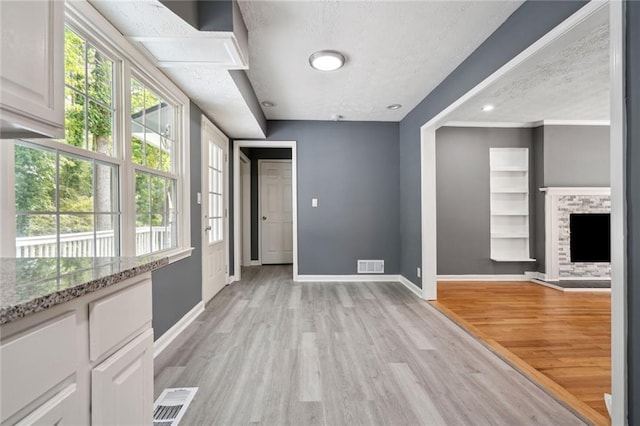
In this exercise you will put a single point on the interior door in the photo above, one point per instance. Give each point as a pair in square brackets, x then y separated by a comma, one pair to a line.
[276, 212]
[214, 208]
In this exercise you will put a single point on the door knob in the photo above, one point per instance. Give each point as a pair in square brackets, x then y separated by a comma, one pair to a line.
[264, 218]
[208, 228]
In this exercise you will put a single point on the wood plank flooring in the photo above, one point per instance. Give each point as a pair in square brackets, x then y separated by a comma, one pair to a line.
[271, 351]
[562, 340]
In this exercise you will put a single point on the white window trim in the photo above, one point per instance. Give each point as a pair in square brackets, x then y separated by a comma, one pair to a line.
[92, 26]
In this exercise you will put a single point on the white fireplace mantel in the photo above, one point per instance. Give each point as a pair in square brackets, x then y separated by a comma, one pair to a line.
[552, 232]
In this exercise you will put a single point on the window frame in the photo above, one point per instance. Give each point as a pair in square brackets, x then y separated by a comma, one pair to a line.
[83, 19]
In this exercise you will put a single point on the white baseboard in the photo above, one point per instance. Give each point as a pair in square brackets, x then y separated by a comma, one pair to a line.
[348, 278]
[232, 279]
[411, 286]
[170, 335]
[483, 278]
[256, 263]
[535, 275]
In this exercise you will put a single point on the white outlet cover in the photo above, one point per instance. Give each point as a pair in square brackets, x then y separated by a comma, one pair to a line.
[314, 202]
[418, 272]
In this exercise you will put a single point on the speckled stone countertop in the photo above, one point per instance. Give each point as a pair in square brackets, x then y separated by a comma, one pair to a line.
[28, 286]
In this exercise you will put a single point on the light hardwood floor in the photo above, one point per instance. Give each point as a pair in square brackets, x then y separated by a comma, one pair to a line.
[562, 340]
[272, 351]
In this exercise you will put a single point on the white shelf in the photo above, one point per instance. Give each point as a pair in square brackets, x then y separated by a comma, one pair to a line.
[509, 213]
[509, 169]
[498, 259]
[520, 235]
[509, 191]
[509, 187]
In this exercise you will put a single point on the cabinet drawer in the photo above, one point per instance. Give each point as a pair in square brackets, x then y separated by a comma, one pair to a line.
[115, 319]
[57, 411]
[35, 361]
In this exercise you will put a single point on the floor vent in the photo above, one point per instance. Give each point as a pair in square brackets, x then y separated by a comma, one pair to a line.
[371, 266]
[171, 406]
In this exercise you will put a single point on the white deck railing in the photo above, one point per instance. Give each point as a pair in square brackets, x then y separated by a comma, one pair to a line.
[81, 244]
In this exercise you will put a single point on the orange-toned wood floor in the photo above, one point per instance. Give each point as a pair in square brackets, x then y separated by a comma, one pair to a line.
[562, 340]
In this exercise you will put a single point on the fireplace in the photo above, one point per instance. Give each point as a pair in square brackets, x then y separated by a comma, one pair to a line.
[577, 233]
[590, 237]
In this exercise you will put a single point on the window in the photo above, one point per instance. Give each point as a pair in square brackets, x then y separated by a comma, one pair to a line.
[216, 203]
[66, 205]
[67, 202]
[88, 78]
[152, 142]
[115, 184]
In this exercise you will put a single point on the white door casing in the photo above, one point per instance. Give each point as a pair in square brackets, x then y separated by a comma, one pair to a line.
[214, 210]
[276, 228]
[237, 144]
[245, 199]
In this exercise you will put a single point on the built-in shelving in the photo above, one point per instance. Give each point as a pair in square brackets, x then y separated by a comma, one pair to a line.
[509, 187]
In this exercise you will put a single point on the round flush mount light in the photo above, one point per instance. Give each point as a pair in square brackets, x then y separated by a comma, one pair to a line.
[267, 104]
[394, 106]
[488, 108]
[326, 60]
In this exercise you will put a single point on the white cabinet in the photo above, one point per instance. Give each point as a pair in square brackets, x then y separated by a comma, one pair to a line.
[86, 361]
[509, 183]
[32, 68]
[122, 386]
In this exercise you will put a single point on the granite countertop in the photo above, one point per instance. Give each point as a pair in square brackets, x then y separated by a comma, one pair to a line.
[28, 286]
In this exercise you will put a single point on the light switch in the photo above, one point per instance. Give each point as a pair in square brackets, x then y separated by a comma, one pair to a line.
[314, 202]
[199, 198]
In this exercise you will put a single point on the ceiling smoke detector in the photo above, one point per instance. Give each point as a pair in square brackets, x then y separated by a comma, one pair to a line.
[326, 60]
[267, 104]
[488, 108]
[394, 106]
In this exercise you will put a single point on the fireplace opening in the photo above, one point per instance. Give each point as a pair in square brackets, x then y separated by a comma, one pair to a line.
[590, 238]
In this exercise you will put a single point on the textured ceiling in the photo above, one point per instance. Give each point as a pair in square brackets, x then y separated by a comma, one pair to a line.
[567, 81]
[397, 52]
[212, 88]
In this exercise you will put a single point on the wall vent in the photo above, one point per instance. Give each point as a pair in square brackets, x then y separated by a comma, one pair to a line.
[171, 406]
[371, 266]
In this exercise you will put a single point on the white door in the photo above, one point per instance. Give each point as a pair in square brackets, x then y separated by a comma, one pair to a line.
[122, 386]
[214, 208]
[276, 211]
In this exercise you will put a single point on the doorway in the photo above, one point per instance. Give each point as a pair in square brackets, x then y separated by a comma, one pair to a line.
[618, 284]
[215, 170]
[280, 200]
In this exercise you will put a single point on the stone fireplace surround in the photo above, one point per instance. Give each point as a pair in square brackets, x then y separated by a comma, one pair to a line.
[560, 202]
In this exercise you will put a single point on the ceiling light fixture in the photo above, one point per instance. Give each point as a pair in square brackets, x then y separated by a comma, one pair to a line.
[394, 106]
[326, 60]
[268, 104]
[488, 108]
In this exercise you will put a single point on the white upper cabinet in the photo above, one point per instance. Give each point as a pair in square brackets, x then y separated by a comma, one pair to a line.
[32, 68]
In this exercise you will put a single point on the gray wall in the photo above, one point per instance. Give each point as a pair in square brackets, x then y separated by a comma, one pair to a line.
[352, 168]
[576, 156]
[538, 219]
[633, 206]
[177, 288]
[463, 199]
[525, 26]
[254, 155]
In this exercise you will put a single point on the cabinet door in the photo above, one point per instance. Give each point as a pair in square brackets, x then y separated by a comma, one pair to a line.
[32, 67]
[58, 411]
[122, 386]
